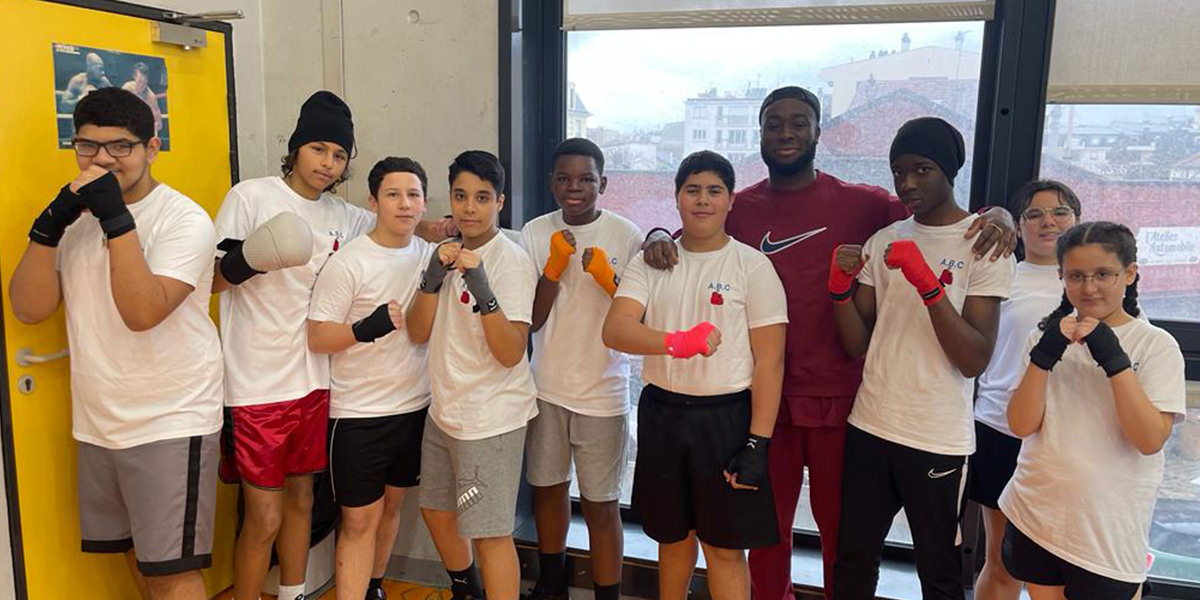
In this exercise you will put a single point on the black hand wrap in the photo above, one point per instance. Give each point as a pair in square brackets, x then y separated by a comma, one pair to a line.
[233, 265]
[1106, 349]
[750, 462]
[103, 198]
[373, 326]
[64, 210]
[1050, 348]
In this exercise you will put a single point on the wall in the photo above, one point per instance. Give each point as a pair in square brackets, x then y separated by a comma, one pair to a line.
[420, 77]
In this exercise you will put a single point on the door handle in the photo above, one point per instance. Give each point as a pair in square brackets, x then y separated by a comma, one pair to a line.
[26, 357]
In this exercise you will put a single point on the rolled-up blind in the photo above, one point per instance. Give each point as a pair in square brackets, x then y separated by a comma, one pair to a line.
[660, 14]
[1125, 52]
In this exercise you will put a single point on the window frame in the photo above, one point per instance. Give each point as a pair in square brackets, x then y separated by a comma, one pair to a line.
[1010, 115]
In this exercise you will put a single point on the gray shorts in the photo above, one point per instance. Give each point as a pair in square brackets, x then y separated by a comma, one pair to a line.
[158, 499]
[478, 479]
[597, 443]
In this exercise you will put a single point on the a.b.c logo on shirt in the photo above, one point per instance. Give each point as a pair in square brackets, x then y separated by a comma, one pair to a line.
[717, 298]
[949, 265]
[337, 238]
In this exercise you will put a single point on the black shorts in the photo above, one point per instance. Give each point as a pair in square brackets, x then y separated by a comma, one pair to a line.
[684, 443]
[1027, 561]
[992, 465]
[367, 453]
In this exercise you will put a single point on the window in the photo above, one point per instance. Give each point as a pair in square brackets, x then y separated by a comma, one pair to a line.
[1147, 177]
[871, 78]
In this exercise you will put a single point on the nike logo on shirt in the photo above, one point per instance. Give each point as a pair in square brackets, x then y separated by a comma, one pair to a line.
[771, 247]
[936, 475]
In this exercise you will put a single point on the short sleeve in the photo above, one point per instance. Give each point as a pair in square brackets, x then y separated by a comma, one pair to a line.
[766, 303]
[360, 221]
[233, 218]
[333, 293]
[634, 247]
[184, 248]
[635, 281]
[992, 277]
[514, 285]
[1161, 374]
[531, 244]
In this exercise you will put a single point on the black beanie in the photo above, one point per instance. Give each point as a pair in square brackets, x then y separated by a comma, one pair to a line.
[323, 118]
[934, 139]
[794, 92]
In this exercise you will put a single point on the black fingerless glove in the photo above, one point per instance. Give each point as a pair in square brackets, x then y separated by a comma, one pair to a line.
[373, 326]
[103, 198]
[64, 210]
[1050, 348]
[750, 462]
[1106, 350]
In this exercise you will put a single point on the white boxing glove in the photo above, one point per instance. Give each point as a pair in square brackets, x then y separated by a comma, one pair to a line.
[285, 240]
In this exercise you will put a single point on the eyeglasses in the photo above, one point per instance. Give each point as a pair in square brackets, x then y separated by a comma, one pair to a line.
[1102, 279]
[1060, 213]
[115, 149]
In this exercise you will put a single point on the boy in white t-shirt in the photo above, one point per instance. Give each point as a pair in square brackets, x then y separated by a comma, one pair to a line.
[697, 414]
[474, 308]
[1100, 394]
[583, 387]
[911, 428]
[145, 358]
[379, 390]
[278, 232]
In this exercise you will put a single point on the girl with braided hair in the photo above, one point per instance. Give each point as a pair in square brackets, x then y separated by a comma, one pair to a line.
[1097, 402]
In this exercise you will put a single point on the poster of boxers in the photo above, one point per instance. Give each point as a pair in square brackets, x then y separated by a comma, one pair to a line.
[80, 69]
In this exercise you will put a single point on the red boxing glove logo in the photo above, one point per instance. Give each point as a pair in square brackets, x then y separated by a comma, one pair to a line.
[716, 299]
[465, 298]
[947, 277]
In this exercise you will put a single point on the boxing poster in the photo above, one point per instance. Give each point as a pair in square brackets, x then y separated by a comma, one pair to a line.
[80, 69]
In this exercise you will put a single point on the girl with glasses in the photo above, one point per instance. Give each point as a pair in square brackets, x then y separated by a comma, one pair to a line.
[1097, 402]
[1045, 210]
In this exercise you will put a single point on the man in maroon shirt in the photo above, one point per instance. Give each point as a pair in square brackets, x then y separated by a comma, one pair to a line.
[797, 216]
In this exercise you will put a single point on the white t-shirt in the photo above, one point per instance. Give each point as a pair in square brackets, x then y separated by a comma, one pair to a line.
[1036, 292]
[131, 388]
[474, 396]
[1081, 490]
[734, 288]
[911, 393]
[264, 320]
[571, 365]
[386, 377]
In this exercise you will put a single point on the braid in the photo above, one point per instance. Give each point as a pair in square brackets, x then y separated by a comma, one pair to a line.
[1130, 303]
[1064, 308]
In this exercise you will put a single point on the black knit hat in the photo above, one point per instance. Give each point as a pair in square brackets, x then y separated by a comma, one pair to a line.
[795, 92]
[323, 118]
[934, 139]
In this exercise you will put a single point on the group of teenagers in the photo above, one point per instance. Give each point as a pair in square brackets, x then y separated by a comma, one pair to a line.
[801, 323]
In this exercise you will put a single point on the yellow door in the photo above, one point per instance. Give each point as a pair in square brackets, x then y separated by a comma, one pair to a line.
[38, 448]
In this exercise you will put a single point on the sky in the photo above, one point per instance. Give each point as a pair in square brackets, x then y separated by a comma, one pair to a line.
[639, 79]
